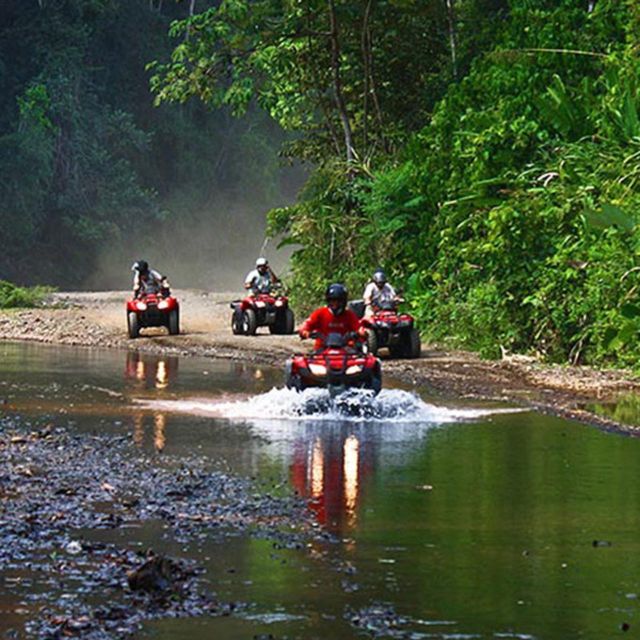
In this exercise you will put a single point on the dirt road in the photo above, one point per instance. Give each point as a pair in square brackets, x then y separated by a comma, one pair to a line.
[97, 319]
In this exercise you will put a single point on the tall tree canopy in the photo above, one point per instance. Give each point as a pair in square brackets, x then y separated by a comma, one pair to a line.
[90, 171]
[484, 152]
[351, 77]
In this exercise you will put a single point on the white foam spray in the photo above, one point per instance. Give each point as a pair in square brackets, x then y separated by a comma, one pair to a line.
[355, 405]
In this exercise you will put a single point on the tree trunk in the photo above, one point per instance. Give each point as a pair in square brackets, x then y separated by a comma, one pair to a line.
[452, 37]
[365, 44]
[325, 105]
[337, 83]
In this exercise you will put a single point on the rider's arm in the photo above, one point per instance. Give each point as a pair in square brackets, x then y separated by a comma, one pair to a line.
[355, 324]
[274, 277]
[158, 277]
[248, 281]
[310, 324]
[369, 294]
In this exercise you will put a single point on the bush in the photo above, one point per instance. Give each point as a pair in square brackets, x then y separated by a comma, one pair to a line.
[12, 296]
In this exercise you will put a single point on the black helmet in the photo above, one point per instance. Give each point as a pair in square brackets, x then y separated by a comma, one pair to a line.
[336, 292]
[379, 277]
[141, 266]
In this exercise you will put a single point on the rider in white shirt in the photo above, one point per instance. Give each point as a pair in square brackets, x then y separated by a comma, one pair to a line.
[261, 279]
[146, 280]
[378, 293]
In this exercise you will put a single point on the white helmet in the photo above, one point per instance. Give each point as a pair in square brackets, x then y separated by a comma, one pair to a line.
[379, 277]
[261, 262]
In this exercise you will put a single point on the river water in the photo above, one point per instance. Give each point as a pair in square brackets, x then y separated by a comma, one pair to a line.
[448, 521]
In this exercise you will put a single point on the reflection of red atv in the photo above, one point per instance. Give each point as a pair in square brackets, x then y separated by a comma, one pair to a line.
[389, 328]
[259, 310]
[338, 365]
[153, 310]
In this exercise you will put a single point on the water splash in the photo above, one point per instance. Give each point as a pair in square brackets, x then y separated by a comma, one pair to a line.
[358, 405]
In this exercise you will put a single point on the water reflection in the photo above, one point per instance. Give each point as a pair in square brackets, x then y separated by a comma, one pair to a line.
[329, 470]
[451, 514]
[149, 371]
[625, 409]
[154, 424]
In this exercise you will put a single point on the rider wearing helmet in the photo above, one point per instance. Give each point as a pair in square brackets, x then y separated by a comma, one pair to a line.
[146, 280]
[333, 318]
[378, 293]
[261, 279]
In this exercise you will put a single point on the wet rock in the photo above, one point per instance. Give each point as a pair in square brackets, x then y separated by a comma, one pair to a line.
[73, 547]
[379, 620]
[94, 481]
[601, 543]
[156, 574]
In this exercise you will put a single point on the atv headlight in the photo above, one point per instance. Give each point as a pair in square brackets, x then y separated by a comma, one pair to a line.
[353, 369]
[279, 303]
[260, 304]
[141, 306]
[163, 304]
[318, 369]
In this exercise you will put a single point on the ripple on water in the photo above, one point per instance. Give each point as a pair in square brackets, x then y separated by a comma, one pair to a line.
[317, 405]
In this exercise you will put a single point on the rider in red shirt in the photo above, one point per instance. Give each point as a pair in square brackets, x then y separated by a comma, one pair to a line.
[334, 318]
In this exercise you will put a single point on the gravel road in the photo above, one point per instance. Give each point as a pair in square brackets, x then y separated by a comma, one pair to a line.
[97, 319]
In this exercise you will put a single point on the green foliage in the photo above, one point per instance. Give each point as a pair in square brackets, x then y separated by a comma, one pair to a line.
[89, 168]
[329, 246]
[281, 55]
[12, 296]
[512, 216]
[527, 239]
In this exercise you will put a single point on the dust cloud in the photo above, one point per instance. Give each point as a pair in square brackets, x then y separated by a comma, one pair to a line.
[210, 249]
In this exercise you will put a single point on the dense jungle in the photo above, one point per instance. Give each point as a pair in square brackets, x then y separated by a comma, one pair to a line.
[484, 152]
[175, 463]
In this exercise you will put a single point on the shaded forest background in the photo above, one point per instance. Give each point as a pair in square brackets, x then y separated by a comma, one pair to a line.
[486, 153]
[93, 175]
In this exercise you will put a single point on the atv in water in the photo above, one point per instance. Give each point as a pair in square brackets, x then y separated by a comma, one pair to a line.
[153, 310]
[262, 309]
[338, 365]
[391, 329]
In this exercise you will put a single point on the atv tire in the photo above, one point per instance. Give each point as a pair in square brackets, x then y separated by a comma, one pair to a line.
[249, 323]
[284, 322]
[396, 351]
[133, 325]
[412, 346]
[293, 380]
[372, 342]
[173, 323]
[376, 384]
[236, 323]
[276, 327]
[376, 381]
[289, 322]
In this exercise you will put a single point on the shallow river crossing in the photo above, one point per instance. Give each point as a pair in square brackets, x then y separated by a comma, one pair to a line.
[466, 521]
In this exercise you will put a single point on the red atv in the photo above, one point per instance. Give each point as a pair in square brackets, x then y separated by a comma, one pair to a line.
[338, 365]
[153, 310]
[390, 328]
[259, 310]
